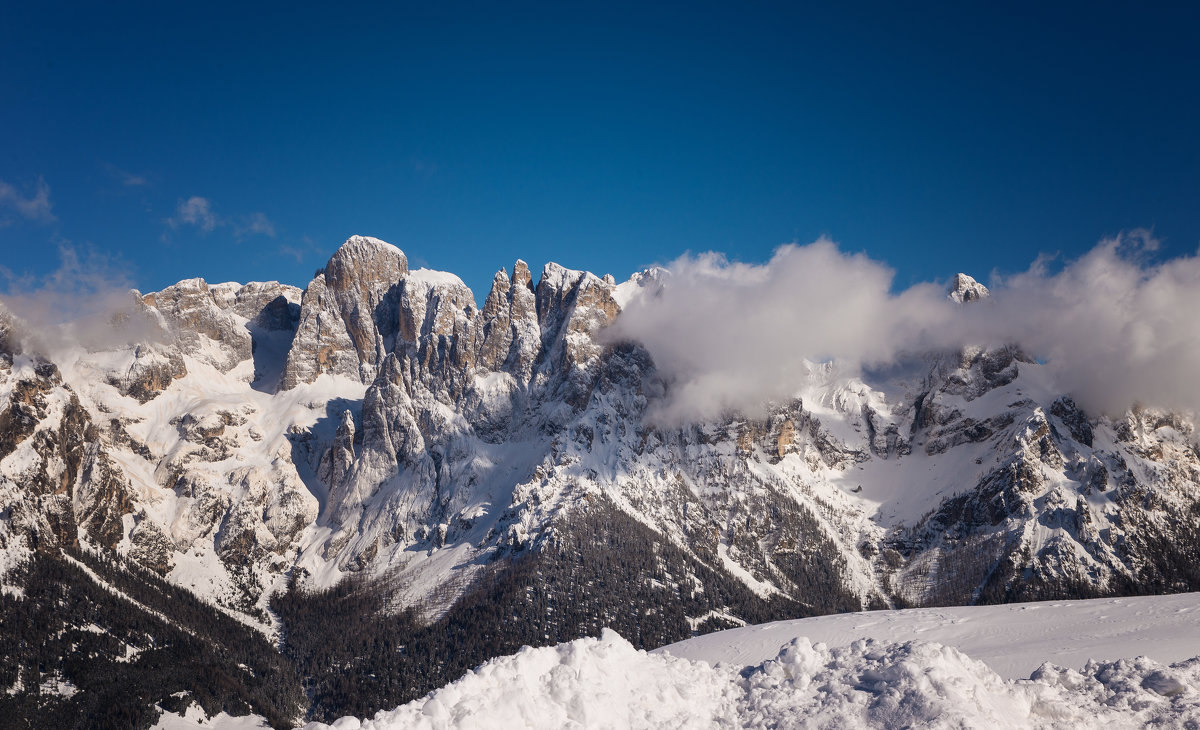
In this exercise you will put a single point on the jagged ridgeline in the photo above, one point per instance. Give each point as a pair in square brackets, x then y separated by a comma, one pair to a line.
[381, 483]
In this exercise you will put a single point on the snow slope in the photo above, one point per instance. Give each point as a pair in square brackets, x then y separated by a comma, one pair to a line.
[1012, 639]
[853, 680]
[195, 719]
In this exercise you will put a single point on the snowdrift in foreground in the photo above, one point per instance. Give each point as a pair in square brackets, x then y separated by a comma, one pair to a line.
[606, 683]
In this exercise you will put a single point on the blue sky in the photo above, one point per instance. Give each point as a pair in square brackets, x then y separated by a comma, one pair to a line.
[178, 140]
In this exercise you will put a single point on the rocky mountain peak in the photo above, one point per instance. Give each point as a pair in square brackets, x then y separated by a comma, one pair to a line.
[557, 284]
[497, 296]
[431, 304]
[521, 275]
[365, 264]
[965, 289]
[348, 315]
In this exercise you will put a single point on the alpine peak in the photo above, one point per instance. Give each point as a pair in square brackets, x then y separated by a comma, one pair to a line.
[965, 289]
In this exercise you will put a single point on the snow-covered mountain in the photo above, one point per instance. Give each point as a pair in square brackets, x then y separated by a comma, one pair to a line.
[499, 467]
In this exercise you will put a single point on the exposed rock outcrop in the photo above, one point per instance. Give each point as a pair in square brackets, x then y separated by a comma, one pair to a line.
[348, 316]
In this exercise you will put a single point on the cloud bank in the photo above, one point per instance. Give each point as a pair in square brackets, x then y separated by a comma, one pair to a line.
[1112, 329]
[86, 301]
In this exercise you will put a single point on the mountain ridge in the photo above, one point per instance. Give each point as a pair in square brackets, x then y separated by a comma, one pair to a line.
[260, 440]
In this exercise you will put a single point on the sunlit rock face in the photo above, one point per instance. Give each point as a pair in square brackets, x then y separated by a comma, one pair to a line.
[348, 317]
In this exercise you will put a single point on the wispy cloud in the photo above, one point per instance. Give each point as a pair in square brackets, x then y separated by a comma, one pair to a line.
[198, 212]
[293, 252]
[1113, 328]
[254, 224]
[195, 211]
[304, 250]
[33, 206]
[124, 177]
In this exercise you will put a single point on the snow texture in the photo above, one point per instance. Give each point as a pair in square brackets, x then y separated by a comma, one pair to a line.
[606, 683]
[1012, 639]
[195, 719]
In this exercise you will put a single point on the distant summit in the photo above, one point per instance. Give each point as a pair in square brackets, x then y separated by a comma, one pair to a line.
[966, 289]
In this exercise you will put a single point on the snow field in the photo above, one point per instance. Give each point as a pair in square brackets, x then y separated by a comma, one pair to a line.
[606, 683]
[1012, 639]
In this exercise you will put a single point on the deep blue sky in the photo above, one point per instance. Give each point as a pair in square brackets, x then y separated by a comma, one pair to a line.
[601, 136]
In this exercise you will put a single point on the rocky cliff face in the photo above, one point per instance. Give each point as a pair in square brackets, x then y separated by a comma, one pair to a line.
[348, 317]
[381, 423]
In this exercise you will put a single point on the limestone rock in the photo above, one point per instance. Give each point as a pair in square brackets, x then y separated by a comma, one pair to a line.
[348, 315]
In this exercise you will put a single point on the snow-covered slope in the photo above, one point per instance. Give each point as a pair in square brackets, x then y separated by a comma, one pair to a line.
[1114, 663]
[195, 719]
[1012, 639]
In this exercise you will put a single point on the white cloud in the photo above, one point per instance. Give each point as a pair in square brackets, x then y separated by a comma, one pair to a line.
[34, 207]
[195, 211]
[1112, 329]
